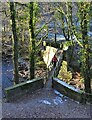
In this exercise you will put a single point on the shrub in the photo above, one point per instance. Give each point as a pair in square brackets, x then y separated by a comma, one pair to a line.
[63, 73]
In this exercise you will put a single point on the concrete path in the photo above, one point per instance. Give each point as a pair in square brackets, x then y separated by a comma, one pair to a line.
[45, 103]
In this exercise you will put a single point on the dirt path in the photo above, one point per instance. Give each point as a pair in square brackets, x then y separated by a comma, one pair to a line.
[45, 103]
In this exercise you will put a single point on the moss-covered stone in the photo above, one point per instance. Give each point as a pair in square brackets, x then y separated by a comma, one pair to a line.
[71, 92]
[17, 91]
[67, 90]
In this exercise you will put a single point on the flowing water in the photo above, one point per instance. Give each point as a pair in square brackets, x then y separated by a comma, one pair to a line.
[7, 74]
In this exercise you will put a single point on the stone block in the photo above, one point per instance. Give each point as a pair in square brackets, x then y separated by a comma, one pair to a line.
[17, 91]
[67, 90]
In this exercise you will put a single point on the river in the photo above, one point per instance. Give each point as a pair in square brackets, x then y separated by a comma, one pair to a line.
[7, 74]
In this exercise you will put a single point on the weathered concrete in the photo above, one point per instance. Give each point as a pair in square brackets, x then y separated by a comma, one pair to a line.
[88, 97]
[71, 92]
[17, 91]
[67, 90]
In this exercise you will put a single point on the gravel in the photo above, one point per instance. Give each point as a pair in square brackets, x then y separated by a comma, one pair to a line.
[44, 103]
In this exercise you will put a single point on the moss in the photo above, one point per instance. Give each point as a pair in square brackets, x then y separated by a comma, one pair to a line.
[17, 91]
[63, 73]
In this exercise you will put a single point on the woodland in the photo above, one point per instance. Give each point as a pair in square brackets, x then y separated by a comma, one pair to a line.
[28, 28]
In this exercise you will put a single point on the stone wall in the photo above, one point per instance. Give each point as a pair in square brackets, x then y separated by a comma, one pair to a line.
[17, 91]
[70, 91]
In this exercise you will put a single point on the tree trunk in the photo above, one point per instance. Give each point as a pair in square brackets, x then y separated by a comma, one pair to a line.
[69, 52]
[32, 44]
[22, 37]
[85, 63]
[15, 43]
[55, 37]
